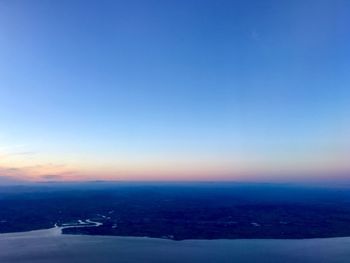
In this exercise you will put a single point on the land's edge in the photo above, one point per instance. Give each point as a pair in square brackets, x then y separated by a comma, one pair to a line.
[58, 231]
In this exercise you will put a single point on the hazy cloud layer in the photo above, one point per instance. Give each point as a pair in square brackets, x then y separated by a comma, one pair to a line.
[52, 177]
[35, 173]
[8, 180]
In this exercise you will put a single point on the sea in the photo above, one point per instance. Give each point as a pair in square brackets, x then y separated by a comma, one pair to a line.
[51, 246]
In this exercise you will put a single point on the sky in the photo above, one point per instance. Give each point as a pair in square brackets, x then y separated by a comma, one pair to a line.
[174, 90]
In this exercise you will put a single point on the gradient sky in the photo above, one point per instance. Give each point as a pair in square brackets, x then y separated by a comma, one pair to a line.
[174, 90]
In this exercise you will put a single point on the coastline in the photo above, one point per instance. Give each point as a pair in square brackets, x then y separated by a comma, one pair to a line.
[50, 246]
[58, 231]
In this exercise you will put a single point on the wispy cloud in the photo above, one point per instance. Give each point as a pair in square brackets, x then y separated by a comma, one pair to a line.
[11, 175]
[40, 172]
[51, 177]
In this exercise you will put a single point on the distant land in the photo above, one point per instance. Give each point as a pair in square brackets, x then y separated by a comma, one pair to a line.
[179, 211]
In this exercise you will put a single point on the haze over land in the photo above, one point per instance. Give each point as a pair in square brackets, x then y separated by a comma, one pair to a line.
[112, 222]
[178, 211]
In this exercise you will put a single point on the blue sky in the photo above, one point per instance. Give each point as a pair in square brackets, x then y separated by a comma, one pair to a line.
[173, 89]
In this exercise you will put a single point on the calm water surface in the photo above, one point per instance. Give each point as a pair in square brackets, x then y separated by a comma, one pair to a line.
[50, 246]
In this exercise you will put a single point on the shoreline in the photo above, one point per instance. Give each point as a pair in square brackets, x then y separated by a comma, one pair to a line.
[50, 246]
[57, 231]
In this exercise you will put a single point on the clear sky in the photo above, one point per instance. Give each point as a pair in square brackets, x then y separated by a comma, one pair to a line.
[174, 90]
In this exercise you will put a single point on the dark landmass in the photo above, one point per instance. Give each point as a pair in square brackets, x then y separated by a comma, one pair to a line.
[180, 211]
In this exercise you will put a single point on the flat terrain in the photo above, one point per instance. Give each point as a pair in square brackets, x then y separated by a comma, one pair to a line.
[179, 211]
